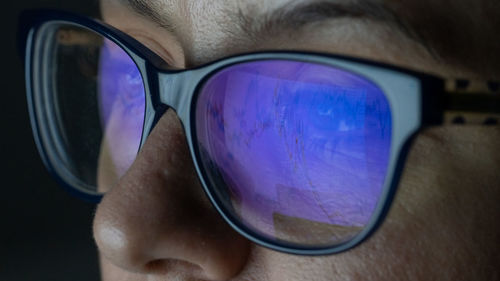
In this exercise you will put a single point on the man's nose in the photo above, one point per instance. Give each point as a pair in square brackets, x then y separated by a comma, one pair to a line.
[158, 220]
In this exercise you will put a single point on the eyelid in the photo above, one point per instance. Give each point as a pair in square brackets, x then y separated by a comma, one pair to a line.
[154, 46]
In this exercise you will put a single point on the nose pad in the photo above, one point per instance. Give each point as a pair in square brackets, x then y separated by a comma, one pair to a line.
[157, 219]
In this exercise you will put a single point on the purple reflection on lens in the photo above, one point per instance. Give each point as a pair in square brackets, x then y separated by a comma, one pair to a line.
[122, 103]
[297, 139]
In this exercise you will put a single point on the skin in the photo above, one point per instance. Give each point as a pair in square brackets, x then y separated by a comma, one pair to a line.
[157, 224]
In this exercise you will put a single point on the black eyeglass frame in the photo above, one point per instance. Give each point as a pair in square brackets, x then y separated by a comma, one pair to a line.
[418, 99]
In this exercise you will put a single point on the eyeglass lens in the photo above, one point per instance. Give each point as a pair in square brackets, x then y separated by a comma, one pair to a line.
[99, 103]
[302, 149]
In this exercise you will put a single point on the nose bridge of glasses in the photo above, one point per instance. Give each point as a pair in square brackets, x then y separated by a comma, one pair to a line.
[177, 90]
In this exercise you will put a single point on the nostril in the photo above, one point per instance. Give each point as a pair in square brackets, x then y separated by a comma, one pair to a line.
[178, 267]
[156, 266]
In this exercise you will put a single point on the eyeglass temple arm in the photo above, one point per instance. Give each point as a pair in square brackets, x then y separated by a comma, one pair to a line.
[470, 102]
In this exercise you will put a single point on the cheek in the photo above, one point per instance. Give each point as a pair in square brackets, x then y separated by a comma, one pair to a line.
[441, 225]
[443, 217]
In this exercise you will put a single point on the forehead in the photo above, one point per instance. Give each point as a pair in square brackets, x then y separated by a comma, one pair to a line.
[244, 21]
[200, 10]
[459, 31]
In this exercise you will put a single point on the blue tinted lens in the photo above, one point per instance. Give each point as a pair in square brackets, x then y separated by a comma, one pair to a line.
[122, 108]
[295, 151]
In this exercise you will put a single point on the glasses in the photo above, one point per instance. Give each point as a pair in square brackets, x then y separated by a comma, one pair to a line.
[299, 152]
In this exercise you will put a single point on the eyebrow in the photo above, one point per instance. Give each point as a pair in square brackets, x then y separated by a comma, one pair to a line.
[298, 14]
[294, 16]
[149, 10]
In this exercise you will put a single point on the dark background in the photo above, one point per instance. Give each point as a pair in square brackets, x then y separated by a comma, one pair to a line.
[45, 233]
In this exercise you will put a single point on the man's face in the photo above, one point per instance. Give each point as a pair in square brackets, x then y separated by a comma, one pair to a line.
[157, 224]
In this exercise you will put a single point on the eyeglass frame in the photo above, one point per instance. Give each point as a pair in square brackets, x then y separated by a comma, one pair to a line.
[435, 102]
